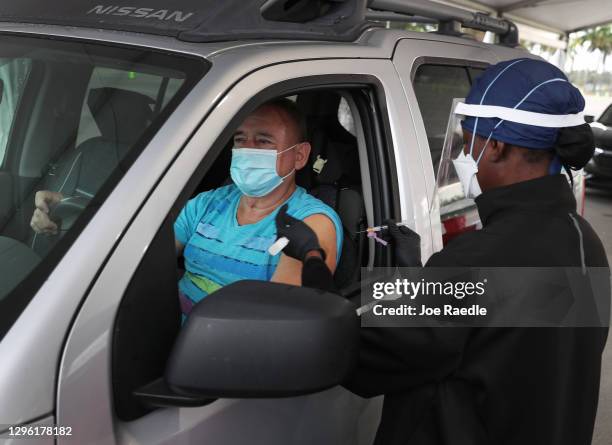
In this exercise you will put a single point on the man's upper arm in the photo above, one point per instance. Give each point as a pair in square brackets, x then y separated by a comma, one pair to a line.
[184, 224]
[289, 270]
[326, 233]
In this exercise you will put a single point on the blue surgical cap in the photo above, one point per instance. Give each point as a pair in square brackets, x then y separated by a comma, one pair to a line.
[525, 84]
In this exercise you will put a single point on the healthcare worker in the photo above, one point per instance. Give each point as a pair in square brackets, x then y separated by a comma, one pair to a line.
[522, 123]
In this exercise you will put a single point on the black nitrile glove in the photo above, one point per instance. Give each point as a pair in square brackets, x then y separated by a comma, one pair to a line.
[406, 245]
[316, 274]
[302, 238]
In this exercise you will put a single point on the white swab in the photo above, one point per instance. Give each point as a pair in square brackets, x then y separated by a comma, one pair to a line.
[278, 246]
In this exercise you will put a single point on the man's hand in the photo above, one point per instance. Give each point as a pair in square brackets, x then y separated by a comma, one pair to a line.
[40, 222]
[406, 245]
[302, 239]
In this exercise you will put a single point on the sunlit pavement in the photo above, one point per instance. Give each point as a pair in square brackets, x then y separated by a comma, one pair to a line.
[598, 211]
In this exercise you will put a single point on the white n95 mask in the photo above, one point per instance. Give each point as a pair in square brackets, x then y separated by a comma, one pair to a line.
[466, 169]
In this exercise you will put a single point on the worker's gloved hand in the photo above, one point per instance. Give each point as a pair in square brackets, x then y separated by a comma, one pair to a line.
[302, 238]
[406, 244]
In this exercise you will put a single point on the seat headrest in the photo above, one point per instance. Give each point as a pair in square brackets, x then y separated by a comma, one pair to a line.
[121, 115]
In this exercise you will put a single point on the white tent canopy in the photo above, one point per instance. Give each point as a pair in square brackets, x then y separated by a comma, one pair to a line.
[560, 16]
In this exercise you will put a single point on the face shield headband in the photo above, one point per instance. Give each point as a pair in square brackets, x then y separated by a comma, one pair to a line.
[467, 164]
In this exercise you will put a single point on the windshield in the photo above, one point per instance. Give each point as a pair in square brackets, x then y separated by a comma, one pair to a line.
[71, 113]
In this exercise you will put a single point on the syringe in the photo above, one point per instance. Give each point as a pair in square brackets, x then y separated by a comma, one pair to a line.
[385, 227]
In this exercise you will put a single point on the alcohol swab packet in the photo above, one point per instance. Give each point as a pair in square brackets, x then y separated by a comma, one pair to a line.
[278, 246]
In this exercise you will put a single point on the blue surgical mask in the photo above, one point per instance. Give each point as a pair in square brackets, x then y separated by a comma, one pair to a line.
[253, 170]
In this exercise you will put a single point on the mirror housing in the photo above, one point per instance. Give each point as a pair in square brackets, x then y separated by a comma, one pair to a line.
[589, 119]
[257, 339]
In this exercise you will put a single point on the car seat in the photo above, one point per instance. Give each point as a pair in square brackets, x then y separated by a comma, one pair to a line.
[121, 116]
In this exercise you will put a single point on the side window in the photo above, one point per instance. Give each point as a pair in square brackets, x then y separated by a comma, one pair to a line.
[475, 73]
[54, 186]
[13, 76]
[435, 87]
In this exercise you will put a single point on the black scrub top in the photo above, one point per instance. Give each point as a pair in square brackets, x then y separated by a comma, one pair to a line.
[494, 385]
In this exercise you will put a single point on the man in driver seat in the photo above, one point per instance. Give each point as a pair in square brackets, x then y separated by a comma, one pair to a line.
[224, 234]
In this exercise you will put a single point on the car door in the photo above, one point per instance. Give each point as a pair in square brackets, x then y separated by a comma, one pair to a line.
[334, 416]
[433, 73]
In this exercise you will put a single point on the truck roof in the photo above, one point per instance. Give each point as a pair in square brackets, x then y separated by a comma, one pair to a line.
[373, 43]
[214, 20]
[201, 20]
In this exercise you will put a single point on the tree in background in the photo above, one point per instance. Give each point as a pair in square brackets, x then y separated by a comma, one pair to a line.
[538, 48]
[596, 39]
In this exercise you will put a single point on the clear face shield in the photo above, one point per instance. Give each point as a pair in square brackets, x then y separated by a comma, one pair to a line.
[449, 192]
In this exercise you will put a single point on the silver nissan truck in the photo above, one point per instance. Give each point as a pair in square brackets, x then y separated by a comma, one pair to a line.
[127, 109]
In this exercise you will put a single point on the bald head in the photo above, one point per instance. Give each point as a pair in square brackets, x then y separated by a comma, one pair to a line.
[289, 115]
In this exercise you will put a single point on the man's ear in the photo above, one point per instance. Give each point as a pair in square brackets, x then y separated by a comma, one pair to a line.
[498, 150]
[302, 151]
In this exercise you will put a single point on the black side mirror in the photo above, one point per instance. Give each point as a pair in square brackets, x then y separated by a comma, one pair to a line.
[262, 339]
[589, 119]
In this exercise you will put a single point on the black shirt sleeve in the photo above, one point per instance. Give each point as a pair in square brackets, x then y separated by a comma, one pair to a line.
[397, 359]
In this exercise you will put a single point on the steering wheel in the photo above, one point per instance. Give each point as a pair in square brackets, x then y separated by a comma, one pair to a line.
[65, 212]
